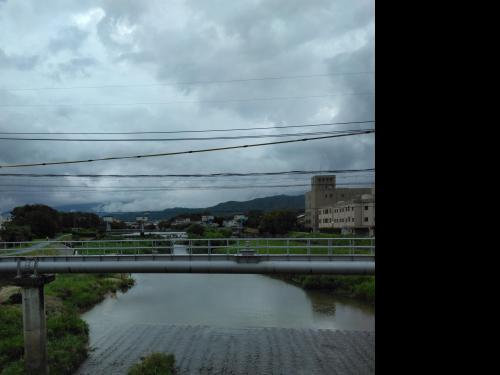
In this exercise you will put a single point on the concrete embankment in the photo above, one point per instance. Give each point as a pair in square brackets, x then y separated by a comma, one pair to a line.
[216, 350]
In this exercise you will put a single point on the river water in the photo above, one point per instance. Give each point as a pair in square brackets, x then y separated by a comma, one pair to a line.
[228, 301]
[230, 324]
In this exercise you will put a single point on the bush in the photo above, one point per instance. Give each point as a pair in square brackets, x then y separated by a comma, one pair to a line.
[359, 287]
[154, 364]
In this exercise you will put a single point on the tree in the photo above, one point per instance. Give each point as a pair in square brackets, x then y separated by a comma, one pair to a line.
[277, 222]
[254, 218]
[42, 220]
[164, 224]
[195, 229]
[16, 233]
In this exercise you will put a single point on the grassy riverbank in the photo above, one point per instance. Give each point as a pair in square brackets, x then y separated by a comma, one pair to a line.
[67, 333]
[361, 288]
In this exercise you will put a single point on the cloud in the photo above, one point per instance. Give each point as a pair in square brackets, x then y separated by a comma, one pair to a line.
[17, 61]
[98, 44]
[69, 38]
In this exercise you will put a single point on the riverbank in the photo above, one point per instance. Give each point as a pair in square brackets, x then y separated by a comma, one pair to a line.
[68, 335]
[361, 288]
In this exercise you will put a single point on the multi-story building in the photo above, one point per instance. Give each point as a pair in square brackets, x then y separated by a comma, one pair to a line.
[324, 193]
[352, 216]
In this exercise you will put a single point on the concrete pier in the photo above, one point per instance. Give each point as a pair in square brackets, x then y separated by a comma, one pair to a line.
[35, 331]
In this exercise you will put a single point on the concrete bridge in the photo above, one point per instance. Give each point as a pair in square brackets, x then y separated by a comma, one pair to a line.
[33, 269]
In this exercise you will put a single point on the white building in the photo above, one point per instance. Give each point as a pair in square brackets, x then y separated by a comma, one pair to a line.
[182, 221]
[353, 216]
[240, 218]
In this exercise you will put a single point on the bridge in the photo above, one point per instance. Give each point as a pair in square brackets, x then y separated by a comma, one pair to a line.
[31, 266]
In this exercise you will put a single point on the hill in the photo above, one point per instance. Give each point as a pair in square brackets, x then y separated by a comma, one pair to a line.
[277, 202]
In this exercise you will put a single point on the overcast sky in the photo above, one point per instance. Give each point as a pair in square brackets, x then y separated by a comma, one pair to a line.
[59, 47]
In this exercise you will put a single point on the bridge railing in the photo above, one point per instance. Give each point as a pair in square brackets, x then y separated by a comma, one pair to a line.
[210, 246]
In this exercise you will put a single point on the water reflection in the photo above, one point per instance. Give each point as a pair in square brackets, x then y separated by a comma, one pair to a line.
[229, 301]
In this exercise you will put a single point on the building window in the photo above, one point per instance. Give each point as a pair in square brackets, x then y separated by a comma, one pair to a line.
[366, 219]
[366, 208]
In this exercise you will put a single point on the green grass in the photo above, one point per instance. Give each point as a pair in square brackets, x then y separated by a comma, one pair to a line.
[154, 364]
[295, 246]
[67, 334]
[85, 290]
[358, 287]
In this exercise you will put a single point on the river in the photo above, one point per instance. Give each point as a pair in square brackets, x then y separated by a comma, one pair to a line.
[234, 324]
[229, 301]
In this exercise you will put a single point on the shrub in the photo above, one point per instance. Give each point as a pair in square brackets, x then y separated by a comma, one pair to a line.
[154, 364]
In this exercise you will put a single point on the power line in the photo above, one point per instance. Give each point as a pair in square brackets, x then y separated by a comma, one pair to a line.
[194, 131]
[183, 188]
[189, 82]
[181, 152]
[246, 136]
[220, 174]
[184, 101]
[146, 188]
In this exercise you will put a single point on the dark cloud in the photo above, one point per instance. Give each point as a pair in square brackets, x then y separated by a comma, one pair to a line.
[129, 42]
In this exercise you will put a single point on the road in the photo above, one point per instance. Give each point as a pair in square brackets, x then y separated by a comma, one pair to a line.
[37, 246]
[179, 250]
[218, 350]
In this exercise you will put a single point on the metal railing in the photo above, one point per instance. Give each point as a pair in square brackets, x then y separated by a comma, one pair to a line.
[193, 246]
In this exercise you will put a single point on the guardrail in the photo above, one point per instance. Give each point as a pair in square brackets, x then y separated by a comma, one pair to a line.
[309, 246]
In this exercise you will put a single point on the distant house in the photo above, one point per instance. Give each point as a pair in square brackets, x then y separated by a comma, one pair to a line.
[182, 221]
[230, 223]
[207, 219]
[240, 218]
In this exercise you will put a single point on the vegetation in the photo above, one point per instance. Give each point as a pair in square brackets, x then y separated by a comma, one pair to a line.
[358, 287]
[154, 364]
[67, 333]
[39, 220]
[278, 222]
[195, 229]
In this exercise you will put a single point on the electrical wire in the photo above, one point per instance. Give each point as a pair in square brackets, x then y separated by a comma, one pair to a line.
[190, 82]
[153, 188]
[220, 174]
[181, 152]
[184, 101]
[192, 131]
[246, 136]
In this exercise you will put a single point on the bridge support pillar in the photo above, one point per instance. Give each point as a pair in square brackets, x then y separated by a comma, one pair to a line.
[35, 331]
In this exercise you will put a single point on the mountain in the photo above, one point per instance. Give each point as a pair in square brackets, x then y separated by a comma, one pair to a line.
[84, 207]
[277, 202]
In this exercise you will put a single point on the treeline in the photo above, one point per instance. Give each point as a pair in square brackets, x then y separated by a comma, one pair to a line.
[38, 221]
[276, 222]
